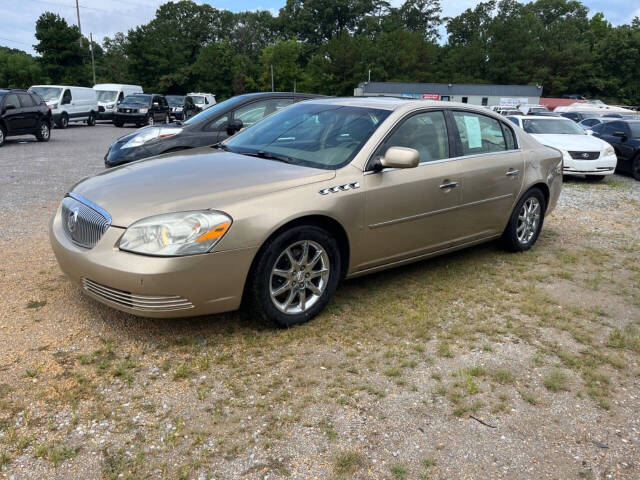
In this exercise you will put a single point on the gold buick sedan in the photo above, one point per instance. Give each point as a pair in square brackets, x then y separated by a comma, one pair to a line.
[278, 215]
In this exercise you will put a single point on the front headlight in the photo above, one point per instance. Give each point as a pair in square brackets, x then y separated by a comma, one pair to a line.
[608, 151]
[176, 234]
[143, 110]
[110, 106]
[148, 134]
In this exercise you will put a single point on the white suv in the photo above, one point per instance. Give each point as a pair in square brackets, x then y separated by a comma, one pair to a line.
[203, 100]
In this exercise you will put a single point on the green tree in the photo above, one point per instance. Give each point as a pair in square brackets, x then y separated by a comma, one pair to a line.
[284, 56]
[19, 69]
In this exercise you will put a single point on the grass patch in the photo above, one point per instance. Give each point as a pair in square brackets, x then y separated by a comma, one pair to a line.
[556, 381]
[348, 462]
[398, 472]
[55, 453]
[36, 304]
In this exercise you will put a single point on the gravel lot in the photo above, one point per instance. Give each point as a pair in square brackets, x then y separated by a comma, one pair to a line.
[483, 365]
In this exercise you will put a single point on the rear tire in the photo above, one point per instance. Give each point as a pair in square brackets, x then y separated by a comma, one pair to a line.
[63, 122]
[91, 121]
[43, 134]
[635, 168]
[3, 135]
[303, 264]
[525, 223]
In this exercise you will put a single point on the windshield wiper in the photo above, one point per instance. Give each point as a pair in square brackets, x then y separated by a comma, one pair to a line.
[221, 146]
[269, 156]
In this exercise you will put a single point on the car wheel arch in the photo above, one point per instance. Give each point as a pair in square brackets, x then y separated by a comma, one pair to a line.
[325, 222]
[543, 187]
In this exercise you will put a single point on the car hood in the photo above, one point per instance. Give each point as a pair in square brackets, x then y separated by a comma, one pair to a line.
[574, 143]
[196, 179]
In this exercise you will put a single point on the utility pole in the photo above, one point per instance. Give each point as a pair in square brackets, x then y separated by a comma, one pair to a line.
[79, 27]
[294, 85]
[272, 89]
[369, 76]
[93, 63]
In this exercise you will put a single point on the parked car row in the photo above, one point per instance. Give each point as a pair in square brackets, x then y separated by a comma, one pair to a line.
[24, 113]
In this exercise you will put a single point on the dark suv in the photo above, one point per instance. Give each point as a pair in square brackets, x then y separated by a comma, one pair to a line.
[182, 107]
[23, 113]
[142, 109]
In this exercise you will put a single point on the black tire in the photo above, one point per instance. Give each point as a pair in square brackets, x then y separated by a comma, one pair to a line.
[513, 238]
[43, 134]
[272, 255]
[3, 135]
[118, 124]
[594, 178]
[150, 120]
[167, 119]
[635, 168]
[91, 121]
[63, 122]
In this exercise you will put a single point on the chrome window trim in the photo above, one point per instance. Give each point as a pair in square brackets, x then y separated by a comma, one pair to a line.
[91, 205]
[439, 108]
[434, 162]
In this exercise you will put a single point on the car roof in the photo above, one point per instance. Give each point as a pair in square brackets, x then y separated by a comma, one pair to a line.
[545, 117]
[394, 103]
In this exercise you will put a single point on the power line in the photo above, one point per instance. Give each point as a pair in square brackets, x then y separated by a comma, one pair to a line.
[15, 41]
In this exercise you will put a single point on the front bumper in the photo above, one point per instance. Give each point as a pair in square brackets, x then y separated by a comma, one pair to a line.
[601, 166]
[130, 117]
[106, 115]
[158, 287]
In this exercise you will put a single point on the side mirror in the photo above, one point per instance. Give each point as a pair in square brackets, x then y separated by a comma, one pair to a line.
[621, 135]
[234, 127]
[400, 157]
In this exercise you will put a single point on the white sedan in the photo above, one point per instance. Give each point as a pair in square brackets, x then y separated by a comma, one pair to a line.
[582, 154]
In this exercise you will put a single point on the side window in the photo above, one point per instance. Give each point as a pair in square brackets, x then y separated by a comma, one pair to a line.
[26, 100]
[425, 132]
[12, 100]
[590, 122]
[66, 97]
[605, 128]
[479, 133]
[513, 120]
[36, 99]
[465, 99]
[218, 124]
[256, 111]
[509, 137]
[485, 101]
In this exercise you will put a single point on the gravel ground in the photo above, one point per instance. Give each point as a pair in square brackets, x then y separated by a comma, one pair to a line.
[484, 364]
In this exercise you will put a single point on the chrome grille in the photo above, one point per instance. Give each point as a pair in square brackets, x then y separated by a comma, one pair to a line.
[83, 222]
[143, 303]
[585, 155]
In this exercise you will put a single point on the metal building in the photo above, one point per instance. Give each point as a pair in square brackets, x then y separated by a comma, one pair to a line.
[475, 94]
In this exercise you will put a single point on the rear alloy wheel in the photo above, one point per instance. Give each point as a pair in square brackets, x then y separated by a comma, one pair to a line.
[64, 121]
[295, 276]
[635, 168]
[526, 222]
[43, 134]
[91, 121]
[150, 120]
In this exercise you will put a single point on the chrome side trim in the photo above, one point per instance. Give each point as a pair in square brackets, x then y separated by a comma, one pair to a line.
[91, 205]
[437, 212]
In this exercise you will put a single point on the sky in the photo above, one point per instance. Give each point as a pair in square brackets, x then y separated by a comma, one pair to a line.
[107, 17]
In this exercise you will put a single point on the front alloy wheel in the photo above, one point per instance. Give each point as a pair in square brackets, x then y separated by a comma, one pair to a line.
[294, 275]
[299, 277]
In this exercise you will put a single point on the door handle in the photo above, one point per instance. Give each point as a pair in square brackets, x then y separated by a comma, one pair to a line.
[448, 185]
[513, 172]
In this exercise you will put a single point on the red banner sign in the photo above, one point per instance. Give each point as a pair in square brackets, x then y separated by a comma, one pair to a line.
[431, 96]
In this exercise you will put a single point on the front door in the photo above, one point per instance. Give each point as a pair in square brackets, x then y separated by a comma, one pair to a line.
[409, 212]
[12, 113]
[30, 112]
[492, 169]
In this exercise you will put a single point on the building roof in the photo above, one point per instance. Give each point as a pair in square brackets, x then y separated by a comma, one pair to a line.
[452, 89]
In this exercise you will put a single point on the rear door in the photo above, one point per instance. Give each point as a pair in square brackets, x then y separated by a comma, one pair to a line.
[606, 132]
[492, 168]
[30, 112]
[413, 211]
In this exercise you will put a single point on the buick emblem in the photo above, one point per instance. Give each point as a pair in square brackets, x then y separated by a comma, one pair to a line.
[72, 220]
[585, 155]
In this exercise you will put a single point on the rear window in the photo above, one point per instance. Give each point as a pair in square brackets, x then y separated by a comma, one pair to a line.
[479, 134]
[26, 100]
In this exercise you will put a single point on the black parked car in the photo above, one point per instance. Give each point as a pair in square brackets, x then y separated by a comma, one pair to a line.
[142, 109]
[206, 128]
[624, 136]
[182, 107]
[24, 113]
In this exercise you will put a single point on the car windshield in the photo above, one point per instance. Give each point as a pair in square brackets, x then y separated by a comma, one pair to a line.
[551, 127]
[137, 100]
[47, 93]
[314, 135]
[175, 100]
[106, 95]
[212, 112]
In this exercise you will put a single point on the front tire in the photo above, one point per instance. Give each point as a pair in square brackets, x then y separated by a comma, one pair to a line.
[295, 275]
[43, 134]
[635, 167]
[150, 120]
[91, 121]
[64, 121]
[118, 124]
[525, 222]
